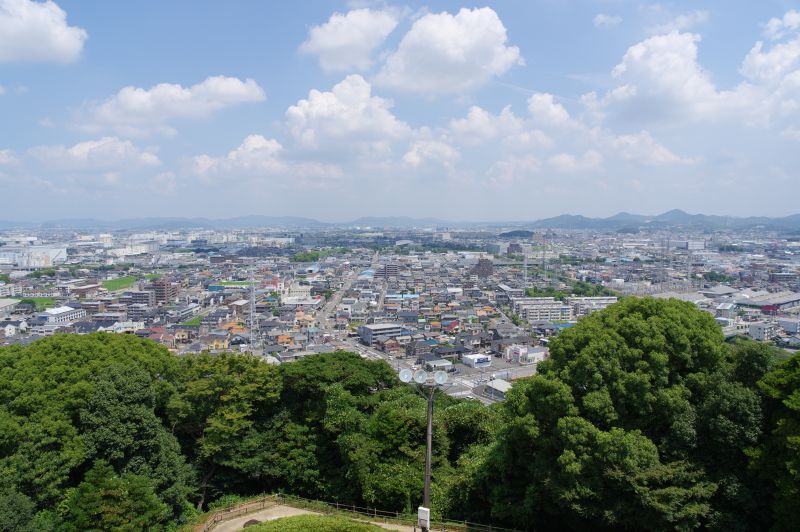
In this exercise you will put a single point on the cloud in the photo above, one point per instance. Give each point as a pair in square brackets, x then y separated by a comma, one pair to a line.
[347, 117]
[643, 147]
[102, 154]
[773, 65]
[514, 170]
[134, 111]
[566, 163]
[480, 125]
[256, 155]
[2, 90]
[776, 28]
[259, 157]
[444, 53]
[347, 41]
[545, 111]
[431, 151]
[37, 31]
[660, 79]
[681, 22]
[91, 166]
[602, 20]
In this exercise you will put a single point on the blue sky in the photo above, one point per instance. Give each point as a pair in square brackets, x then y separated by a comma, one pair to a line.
[499, 111]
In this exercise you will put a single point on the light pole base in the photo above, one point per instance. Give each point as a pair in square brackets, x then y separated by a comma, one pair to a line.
[424, 518]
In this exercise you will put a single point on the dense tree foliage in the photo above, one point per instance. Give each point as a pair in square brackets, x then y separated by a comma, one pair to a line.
[777, 458]
[643, 418]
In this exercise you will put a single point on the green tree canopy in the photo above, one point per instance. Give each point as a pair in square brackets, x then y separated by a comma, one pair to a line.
[108, 501]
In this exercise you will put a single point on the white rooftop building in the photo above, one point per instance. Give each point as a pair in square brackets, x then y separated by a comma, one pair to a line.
[63, 314]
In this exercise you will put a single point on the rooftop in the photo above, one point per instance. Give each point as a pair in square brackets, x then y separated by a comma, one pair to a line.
[58, 310]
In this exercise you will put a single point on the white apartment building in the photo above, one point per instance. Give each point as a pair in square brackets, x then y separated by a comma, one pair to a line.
[8, 290]
[762, 331]
[63, 314]
[583, 306]
[542, 309]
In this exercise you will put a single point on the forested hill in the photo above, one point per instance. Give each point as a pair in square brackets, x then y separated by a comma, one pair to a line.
[643, 419]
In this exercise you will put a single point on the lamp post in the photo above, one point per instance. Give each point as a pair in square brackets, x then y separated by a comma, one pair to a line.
[426, 497]
[433, 380]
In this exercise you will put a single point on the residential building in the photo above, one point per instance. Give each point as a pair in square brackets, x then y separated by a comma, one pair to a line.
[583, 306]
[762, 331]
[165, 290]
[369, 333]
[62, 314]
[7, 307]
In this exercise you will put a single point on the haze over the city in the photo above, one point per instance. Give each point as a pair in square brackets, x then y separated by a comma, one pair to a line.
[335, 110]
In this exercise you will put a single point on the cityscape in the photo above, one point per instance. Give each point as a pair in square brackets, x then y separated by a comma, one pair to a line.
[410, 265]
[478, 302]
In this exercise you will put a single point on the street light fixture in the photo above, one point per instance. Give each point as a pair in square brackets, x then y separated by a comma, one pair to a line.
[431, 380]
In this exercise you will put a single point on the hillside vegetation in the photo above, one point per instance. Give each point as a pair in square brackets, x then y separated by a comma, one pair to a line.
[643, 419]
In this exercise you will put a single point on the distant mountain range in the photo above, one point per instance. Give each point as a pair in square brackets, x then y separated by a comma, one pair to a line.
[675, 218]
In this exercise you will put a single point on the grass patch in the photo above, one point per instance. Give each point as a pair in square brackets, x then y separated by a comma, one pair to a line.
[318, 523]
[119, 283]
[197, 320]
[152, 276]
[40, 303]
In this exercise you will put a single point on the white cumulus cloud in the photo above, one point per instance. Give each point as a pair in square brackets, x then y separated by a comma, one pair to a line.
[259, 157]
[480, 125]
[776, 28]
[347, 41]
[346, 117]
[444, 53]
[256, 154]
[424, 151]
[546, 111]
[135, 111]
[682, 22]
[37, 31]
[774, 64]
[661, 79]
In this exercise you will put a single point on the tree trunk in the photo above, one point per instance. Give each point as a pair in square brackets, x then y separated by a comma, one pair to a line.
[204, 486]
